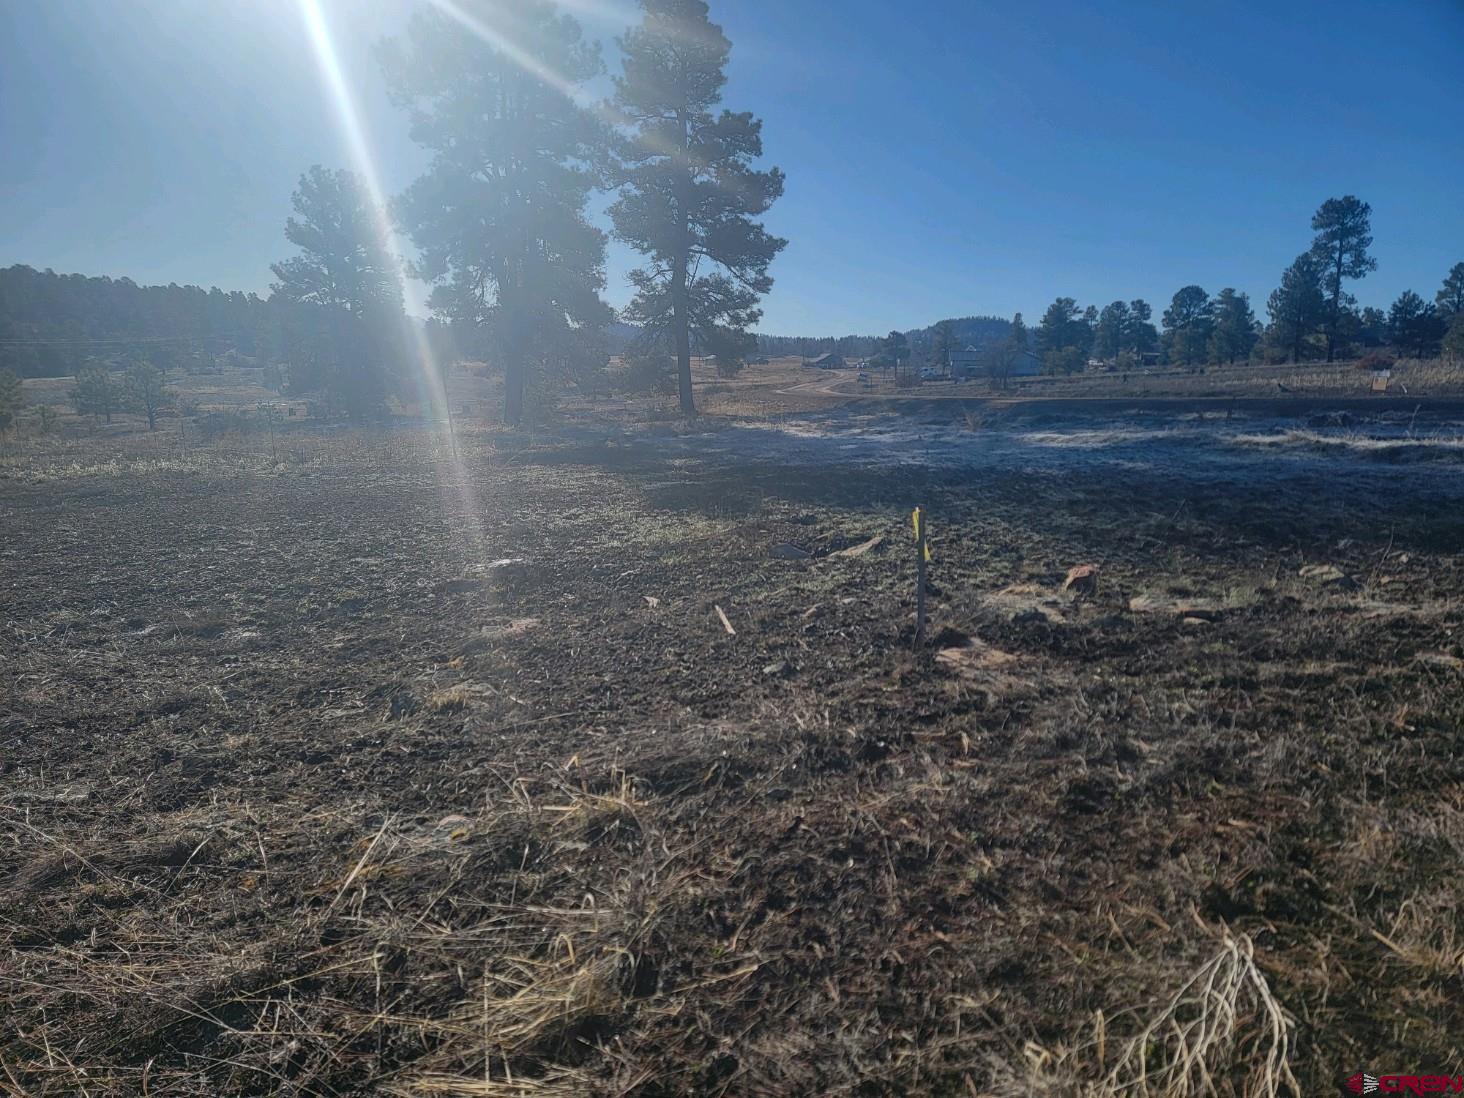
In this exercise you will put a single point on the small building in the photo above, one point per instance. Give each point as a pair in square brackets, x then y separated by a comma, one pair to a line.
[828, 362]
[977, 363]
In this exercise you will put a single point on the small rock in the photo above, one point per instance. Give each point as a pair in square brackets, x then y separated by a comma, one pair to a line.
[1329, 575]
[1082, 579]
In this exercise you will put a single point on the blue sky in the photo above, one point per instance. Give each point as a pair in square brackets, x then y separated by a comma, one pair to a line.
[943, 157]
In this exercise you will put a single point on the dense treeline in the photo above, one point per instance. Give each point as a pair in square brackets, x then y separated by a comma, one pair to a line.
[1312, 315]
[54, 325]
[966, 331]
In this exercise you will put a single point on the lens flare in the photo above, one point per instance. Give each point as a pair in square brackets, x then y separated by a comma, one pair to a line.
[431, 381]
[525, 60]
[516, 53]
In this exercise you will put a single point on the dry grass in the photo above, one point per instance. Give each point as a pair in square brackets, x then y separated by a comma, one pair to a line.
[1223, 1018]
[1222, 1032]
[337, 836]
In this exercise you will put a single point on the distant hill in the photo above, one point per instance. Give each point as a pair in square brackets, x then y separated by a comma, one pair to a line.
[970, 331]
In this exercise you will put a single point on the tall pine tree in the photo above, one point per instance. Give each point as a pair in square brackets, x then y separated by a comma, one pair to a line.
[1142, 336]
[1187, 324]
[1344, 234]
[1112, 327]
[1450, 298]
[499, 216]
[689, 195]
[338, 318]
[943, 342]
[1297, 306]
[343, 262]
[1234, 333]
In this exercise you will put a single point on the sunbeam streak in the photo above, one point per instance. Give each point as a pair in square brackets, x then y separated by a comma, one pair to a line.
[530, 64]
[431, 381]
[517, 54]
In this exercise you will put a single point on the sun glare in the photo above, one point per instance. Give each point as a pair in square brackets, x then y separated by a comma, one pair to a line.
[431, 380]
[521, 57]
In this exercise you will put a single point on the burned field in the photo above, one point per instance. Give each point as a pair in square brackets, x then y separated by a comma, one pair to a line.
[363, 773]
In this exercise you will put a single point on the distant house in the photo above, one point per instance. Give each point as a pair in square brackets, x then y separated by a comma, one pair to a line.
[828, 362]
[975, 363]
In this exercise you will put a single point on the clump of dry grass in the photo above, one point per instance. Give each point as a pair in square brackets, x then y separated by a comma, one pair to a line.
[1222, 1032]
[1425, 935]
[559, 1083]
[1223, 1016]
[458, 696]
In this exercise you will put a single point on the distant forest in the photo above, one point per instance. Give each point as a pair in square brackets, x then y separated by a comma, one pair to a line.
[55, 325]
[980, 332]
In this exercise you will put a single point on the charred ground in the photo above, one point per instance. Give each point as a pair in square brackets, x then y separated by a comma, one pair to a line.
[351, 770]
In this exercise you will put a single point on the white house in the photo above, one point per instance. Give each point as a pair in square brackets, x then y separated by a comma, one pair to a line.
[975, 363]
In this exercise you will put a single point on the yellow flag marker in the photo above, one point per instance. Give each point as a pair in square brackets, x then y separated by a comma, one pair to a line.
[917, 522]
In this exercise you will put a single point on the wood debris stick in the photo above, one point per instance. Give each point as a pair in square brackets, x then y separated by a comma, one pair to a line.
[862, 548]
[727, 625]
[922, 555]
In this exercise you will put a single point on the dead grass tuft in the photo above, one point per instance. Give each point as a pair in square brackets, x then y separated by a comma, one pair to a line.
[1223, 1020]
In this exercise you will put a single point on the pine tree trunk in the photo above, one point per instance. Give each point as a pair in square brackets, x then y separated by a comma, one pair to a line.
[680, 311]
[513, 392]
[1336, 308]
[681, 323]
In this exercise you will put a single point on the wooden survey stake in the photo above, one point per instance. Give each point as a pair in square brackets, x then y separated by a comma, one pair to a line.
[922, 556]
